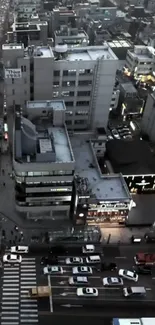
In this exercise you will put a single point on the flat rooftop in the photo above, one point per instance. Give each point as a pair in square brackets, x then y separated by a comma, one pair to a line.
[47, 104]
[106, 187]
[38, 141]
[89, 53]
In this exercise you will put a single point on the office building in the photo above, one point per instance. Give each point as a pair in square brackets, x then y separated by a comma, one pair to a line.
[140, 60]
[83, 77]
[148, 119]
[43, 161]
[24, 9]
[71, 37]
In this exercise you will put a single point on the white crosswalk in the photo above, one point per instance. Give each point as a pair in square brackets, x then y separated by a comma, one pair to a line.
[16, 307]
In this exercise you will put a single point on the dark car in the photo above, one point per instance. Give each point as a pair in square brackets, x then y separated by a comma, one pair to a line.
[108, 266]
[49, 260]
[142, 269]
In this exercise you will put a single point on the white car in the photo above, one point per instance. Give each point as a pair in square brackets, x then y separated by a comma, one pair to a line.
[12, 258]
[19, 249]
[74, 260]
[78, 280]
[111, 281]
[130, 275]
[115, 134]
[82, 270]
[87, 292]
[53, 270]
[87, 249]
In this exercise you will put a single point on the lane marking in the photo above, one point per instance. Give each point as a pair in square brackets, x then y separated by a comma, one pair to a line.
[28, 305]
[121, 257]
[29, 300]
[28, 278]
[29, 311]
[50, 297]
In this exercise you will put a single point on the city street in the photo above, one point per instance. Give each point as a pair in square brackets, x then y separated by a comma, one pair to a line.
[16, 280]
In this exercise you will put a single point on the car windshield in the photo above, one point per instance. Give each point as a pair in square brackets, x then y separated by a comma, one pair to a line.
[114, 280]
[54, 269]
[83, 269]
[9, 257]
[129, 274]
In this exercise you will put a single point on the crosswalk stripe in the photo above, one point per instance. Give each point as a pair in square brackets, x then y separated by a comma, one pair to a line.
[10, 276]
[12, 272]
[28, 274]
[10, 303]
[34, 278]
[12, 264]
[10, 289]
[28, 262]
[29, 315]
[8, 294]
[29, 300]
[10, 285]
[28, 282]
[10, 298]
[28, 266]
[24, 291]
[29, 305]
[29, 311]
[28, 321]
[11, 268]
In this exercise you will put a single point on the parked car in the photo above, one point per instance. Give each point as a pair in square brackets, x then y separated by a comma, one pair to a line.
[74, 260]
[112, 281]
[142, 269]
[144, 258]
[78, 280]
[53, 270]
[49, 260]
[19, 249]
[12, 258]
[82, 270]
[129, 275]
[87, 292]
[87, 249]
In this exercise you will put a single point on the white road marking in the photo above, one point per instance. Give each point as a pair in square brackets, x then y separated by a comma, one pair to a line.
[29, 305]
[10, 307]
[10, 289]
[28, 278]
[6, 280]
[8, 323]
[11, 268]
[29, 300]
[28, 274]
[12, 272]
[10, 298]
[10, 312]
[148, 289]
[12, 293]
[28, 259]
[29, 320]
[9, 317]
[28, 315]
[29, 282]
[10, 276]
[29, 311]
[31, 262]
[50, 297]
[10, 285]
[10, 303]
[121, 257]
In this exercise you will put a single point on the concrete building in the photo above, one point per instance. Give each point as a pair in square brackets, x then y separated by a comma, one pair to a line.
[71, 37]
[29, 33]
[63, 16]
[83, 77]
[43, 161]
[148, 120]
[26, 8]
[140, 60]
[98, 198]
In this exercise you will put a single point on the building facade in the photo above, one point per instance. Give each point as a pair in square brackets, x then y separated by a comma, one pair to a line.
[43, 162]
[140, 60]
[148, 120]
[83, 77]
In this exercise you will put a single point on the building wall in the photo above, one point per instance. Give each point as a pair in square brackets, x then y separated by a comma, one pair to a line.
[85, 86]
[148, 120]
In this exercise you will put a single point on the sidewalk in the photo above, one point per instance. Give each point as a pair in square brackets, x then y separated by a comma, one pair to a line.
[122, 235]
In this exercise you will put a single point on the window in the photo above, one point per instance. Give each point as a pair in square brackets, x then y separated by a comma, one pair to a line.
[56, 73]
[55, 94]
[77, 122]
[84, 83]
[69, 72]
[83, 93]
[13, 81]
[68, 83]
[81, 113]
[85, 71]
[68, 122]
[82, 103]
[69, 104]
[24, 68]
[67, 93]
[56, 84]
[69, 113]
[13, 92]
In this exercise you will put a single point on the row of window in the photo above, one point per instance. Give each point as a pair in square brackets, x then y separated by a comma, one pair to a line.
[77, 113]
[78, 103]
[73, 72]
[51, 173]
[76, 122]
[71, 93]
[72, 83]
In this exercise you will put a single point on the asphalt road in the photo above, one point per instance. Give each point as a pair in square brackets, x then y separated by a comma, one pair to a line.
[16, 280]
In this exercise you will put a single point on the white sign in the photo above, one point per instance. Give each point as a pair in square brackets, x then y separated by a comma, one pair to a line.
[13, 73]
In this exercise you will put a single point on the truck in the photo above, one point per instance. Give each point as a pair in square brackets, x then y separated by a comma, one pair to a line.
[40, 291]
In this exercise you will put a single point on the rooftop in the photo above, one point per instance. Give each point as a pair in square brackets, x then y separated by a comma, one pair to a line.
[50, 104]
[89, 53]
[102, 188]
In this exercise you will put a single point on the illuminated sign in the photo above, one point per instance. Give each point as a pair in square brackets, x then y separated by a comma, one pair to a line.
[143, 183]
[13, 73]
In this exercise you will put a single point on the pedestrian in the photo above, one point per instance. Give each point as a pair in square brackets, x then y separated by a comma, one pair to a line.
[16, 228]
[4, 184]
[12, 232]
[3, 171]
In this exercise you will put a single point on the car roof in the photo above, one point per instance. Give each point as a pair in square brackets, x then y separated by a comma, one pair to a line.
[13, 257]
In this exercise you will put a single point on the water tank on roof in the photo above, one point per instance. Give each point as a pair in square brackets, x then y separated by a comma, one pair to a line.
[61, 48]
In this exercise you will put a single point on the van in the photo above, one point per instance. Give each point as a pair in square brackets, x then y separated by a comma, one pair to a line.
[88, 249]
[94, 259]
[134, 291]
